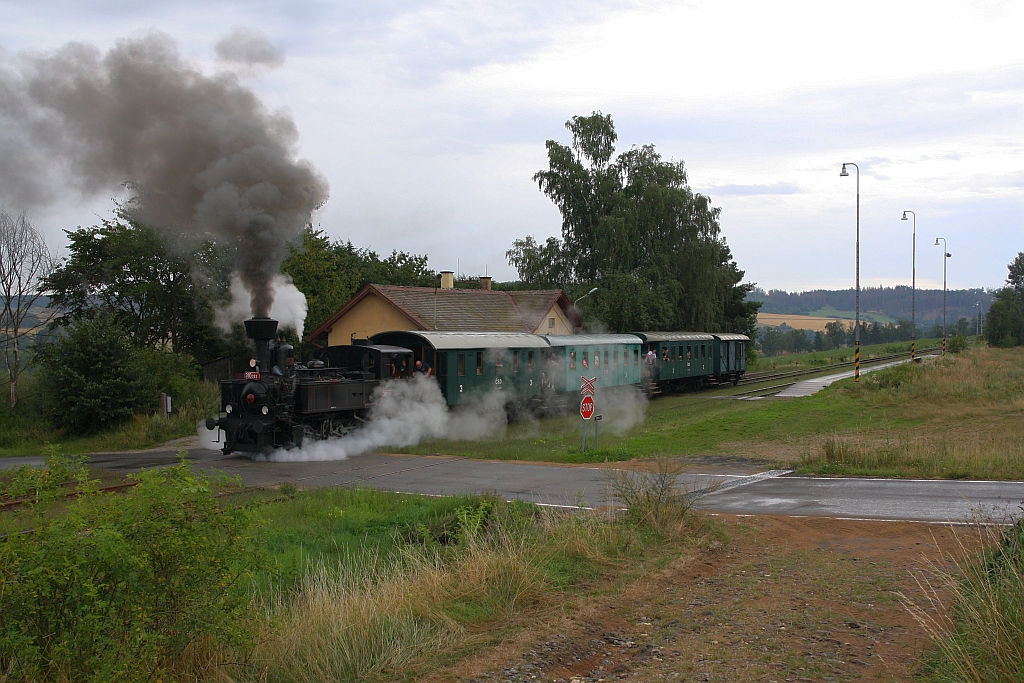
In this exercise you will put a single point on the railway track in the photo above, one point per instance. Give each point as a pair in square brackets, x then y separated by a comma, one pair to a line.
[761, 378]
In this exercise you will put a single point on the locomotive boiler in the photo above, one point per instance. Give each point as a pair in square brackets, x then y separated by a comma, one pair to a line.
[275, 403]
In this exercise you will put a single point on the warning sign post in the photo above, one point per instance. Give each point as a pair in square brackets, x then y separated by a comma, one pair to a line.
[587, 390]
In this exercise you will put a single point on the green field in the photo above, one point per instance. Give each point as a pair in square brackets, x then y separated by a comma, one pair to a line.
[815, 359]
[869, 316]
[959, 416]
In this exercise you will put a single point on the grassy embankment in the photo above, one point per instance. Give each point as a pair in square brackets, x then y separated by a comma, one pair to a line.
[959, 416]
[25, 432]
[303, 586]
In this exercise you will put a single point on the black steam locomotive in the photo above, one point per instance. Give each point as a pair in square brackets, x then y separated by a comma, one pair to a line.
[278, 404]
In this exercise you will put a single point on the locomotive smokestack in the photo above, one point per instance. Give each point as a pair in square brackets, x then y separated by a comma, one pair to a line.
[262, 331]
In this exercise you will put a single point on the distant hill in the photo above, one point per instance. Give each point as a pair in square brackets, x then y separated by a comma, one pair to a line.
[889, 302]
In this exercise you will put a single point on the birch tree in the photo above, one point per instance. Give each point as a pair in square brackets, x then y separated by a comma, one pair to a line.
[25, 263]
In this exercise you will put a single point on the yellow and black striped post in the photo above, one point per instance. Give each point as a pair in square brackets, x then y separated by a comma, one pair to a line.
[943, 346]
[912, 354]
[856, 362]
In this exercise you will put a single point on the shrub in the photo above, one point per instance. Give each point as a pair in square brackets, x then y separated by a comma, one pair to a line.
[958, 343]
[122, 586]
[92, 378]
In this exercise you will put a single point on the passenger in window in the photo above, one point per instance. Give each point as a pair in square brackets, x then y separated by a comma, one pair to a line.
[664, 353]
[572, 360]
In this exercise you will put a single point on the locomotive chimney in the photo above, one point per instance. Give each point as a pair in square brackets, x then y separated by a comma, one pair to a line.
[262, 331]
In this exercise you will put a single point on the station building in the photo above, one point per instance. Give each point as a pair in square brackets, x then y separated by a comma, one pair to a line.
[387, 308]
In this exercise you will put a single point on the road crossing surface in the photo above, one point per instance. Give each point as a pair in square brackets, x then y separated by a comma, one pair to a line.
[770, 492]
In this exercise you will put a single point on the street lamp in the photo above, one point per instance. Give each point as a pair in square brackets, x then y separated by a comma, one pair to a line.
[945, 255]
[856, 330]
[583, 297]
[913, 283]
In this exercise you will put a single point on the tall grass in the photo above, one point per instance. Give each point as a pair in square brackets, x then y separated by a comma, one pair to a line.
[965, 413]
[974, 612]
[392, 615]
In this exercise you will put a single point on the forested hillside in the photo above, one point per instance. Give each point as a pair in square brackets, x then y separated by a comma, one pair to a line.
[891, 301]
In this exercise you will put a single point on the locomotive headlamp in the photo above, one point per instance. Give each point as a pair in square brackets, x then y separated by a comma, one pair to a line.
[228, 408]
[266, 410]
[252, 362]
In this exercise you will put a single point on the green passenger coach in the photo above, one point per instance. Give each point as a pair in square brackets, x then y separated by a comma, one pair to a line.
[678, 358]
[470, 364]
[614, 359]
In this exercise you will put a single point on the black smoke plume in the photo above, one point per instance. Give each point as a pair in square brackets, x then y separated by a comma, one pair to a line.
[200, 153]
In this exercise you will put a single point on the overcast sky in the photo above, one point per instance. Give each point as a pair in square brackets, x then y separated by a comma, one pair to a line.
[429, 118]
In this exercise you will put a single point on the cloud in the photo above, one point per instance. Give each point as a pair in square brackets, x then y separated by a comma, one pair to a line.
[244, 45]
[751, 190]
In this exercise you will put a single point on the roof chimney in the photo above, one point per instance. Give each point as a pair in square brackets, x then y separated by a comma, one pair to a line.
[447, 279]
[485, 282]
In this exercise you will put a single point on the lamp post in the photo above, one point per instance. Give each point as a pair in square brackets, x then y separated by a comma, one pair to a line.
[856, 330]
[977, 324]
[583, 297]
[913, 283]
[945, 255]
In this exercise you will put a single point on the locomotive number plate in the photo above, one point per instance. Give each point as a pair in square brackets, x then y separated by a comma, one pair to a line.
[250, 375]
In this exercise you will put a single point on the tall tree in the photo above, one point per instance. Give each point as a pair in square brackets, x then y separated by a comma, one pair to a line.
[161, 297]
[329, 273]
[633, 226]
[25, 263]
[1004, 323]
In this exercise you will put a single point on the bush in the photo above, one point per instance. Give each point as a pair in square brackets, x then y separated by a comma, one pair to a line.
[121, 586]
[958, 343]
[91, 378]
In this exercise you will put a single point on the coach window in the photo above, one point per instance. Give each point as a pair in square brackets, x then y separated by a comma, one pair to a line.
[636, 356]
[529, 360]
[664, 353]
[462, 365]
[499, 364]
[615, 358]
[702, 351]
[515, 361]
[597, 358]
[585, 354]
[479, 362]
[689, 352]
[572, 360]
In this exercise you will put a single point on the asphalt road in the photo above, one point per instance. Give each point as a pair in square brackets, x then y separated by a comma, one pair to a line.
[772, 492]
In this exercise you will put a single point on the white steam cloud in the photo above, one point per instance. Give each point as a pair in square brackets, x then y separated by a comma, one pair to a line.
[289, 307]
[406, 412]
[621, 408]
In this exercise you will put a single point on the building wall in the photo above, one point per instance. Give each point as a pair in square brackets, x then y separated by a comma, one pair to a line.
[368, 317]
[562, 324]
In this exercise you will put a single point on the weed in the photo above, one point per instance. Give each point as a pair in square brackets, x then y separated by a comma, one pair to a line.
[975, 612]
[653, 498]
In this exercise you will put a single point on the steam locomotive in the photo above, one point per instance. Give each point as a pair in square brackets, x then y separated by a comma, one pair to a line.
[278, 404]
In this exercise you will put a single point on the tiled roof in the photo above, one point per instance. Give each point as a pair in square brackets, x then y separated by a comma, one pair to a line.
[466, 310]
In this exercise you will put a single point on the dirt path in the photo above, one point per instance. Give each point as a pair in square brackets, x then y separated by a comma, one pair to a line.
[783, 600]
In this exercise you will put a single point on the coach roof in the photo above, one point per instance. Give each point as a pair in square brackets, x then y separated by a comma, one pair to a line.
[444, 341]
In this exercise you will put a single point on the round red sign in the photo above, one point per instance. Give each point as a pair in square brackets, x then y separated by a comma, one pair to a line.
[587, 407]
